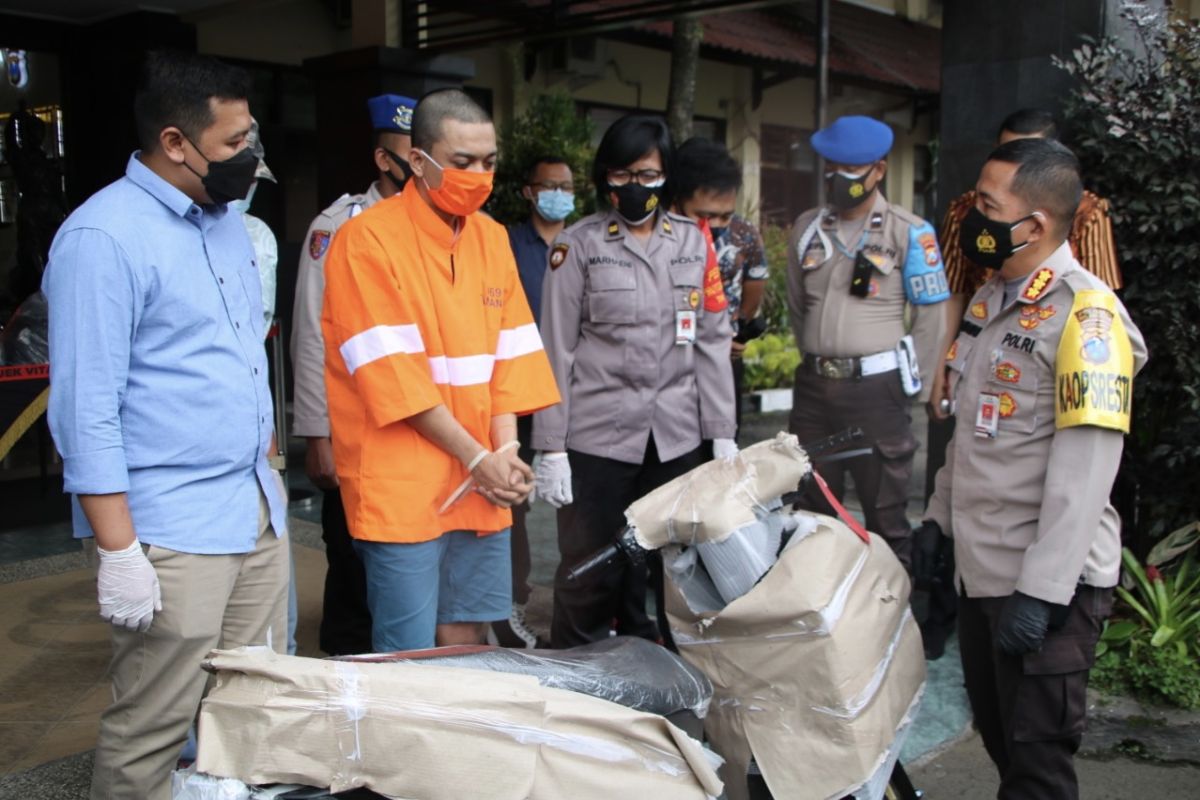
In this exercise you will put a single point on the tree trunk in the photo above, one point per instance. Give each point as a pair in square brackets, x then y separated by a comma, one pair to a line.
[685, 58]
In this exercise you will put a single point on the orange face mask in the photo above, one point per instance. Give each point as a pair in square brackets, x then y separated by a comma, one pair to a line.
[462, 192]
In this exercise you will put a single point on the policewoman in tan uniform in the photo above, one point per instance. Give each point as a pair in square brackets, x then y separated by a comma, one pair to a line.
[865, 288]
[635, 324]
[1042, 377]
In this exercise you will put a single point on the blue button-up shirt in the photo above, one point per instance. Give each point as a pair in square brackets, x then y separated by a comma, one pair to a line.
[158, 374]
[529, 250]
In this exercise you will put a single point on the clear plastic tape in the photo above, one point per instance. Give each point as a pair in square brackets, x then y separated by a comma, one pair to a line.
[875, 787]
[651, 759]
[629, 671]
[347, 707]
[854, 705]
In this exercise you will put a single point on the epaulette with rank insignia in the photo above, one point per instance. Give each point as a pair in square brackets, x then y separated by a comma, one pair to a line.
[613, 229]
[666, 225]
[876, 221]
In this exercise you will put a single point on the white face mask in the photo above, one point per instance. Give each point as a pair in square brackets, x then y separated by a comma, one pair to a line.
[243, 206]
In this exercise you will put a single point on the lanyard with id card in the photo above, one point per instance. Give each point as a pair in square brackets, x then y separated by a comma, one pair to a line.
[685, 327]
[987, 417]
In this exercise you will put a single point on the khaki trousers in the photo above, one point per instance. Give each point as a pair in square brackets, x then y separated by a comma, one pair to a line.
[208, 601]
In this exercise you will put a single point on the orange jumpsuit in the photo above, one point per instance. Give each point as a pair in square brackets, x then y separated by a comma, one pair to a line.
[417, 316]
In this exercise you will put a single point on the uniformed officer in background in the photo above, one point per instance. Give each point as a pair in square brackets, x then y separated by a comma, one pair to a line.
[1041, 373]
[865, 288]
[346, 621]
[638, 335]
[705, 185]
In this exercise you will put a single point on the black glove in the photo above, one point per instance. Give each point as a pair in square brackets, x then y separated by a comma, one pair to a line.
[927, 542]
[1023, 624]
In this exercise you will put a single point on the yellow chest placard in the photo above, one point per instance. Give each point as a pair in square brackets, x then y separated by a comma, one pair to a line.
[1094, 368]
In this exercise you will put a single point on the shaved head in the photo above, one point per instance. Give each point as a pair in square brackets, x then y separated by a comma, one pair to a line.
[438, 106]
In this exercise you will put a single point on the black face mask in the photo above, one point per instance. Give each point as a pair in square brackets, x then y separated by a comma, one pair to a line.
[636, 202]
[405, 170]
[988, 242]
[717, 233]
[230, 179]
[847, 192]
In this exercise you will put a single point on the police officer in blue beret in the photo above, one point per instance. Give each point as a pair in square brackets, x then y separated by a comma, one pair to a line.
[346, 622]
[865, 288]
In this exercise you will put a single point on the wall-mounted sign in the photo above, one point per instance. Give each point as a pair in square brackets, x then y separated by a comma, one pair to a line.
[16, 67]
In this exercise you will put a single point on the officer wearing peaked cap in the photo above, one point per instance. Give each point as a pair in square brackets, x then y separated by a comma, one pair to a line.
[346, 623]
[865, 284]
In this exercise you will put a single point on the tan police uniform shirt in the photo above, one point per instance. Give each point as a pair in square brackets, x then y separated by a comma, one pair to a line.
[1028, 510]
[309, 410]
[828, 321]
[610, 312]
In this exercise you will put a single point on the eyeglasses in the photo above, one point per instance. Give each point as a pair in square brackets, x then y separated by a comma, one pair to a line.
[646, 177]
[565, 186]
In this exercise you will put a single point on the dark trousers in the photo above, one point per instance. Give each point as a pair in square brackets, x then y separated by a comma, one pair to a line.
[739, 380]
[345, 619]
[1030, 710]
[940, 602]
[603, 488]
[877, 404]
[522, 562]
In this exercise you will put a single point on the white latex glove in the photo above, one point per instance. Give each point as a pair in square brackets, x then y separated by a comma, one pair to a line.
[128, 588]
[552, 479]
[724, 448]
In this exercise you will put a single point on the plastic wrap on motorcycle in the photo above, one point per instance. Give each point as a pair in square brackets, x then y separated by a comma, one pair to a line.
[633, 672]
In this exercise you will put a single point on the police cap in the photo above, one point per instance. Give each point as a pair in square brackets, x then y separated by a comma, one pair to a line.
[392, 113]
[853, 140]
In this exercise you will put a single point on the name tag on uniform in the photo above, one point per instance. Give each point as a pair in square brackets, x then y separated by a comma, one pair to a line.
[987, 418]
[685, 327]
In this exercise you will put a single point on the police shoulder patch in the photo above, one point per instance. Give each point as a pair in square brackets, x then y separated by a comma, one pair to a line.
[1094, 366]
[558, 254]
[924, 278]
[318, 243]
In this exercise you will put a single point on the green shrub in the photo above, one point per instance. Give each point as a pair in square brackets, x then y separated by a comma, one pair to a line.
[1151, 649]
[771, 362]
[774, 306]
[1133, 122]
[550, 126]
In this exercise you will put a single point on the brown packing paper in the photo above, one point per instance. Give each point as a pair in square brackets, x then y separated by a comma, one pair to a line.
[717, 498]
[814, 670]
[428, 733]
[819, 665]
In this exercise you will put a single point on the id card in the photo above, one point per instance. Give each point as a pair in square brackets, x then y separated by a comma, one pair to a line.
[987, 418]
[685, 327]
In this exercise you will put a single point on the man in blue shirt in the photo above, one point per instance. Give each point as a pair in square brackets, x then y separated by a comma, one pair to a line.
[550, 189]
[161, 409]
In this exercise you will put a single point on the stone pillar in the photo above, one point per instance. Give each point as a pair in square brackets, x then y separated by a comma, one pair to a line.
[743, 137]
[343, 83]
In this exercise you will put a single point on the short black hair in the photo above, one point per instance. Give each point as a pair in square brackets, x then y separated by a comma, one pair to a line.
[628, 139]
[438, 106]
[545, 158]
[1048, 177]
[703, 164]
[1030, 122]
[175, 89]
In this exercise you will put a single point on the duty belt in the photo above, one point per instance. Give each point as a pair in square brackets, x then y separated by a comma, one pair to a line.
[851, 366]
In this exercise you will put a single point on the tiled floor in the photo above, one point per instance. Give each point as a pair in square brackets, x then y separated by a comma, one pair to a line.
[54, 652]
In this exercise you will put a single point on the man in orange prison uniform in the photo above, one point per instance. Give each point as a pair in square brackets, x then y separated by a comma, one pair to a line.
[431, 352]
